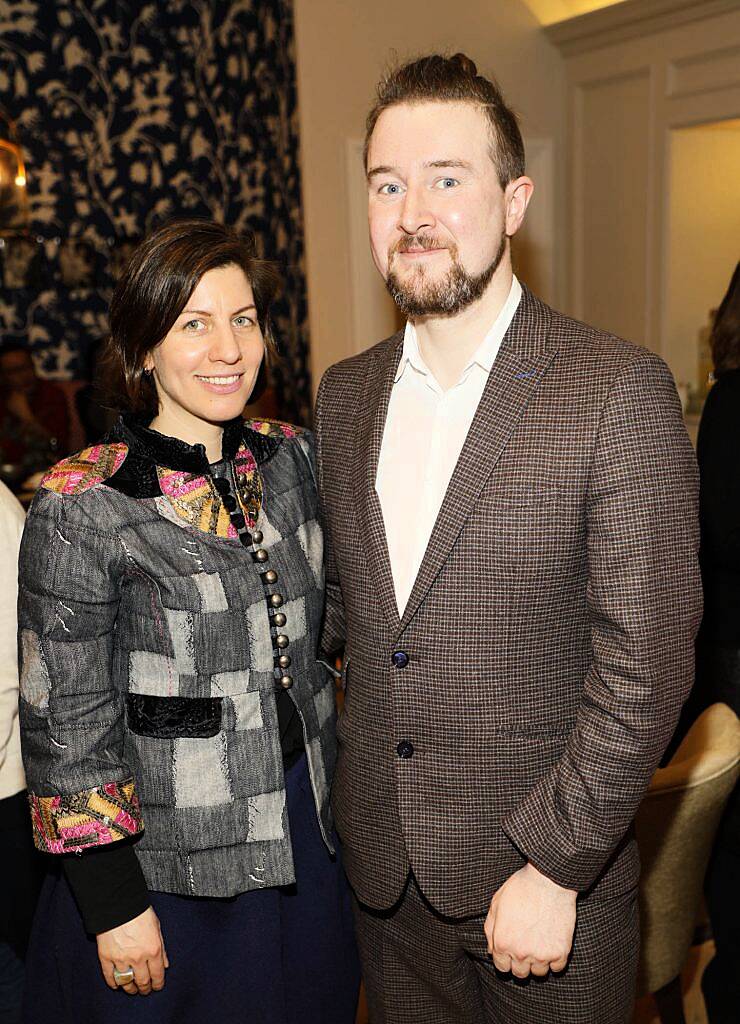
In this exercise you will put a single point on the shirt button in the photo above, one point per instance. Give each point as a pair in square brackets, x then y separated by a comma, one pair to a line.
[405, 750]
[261, 555]
[286, 682]
[400, 659]
[275, 600]
[257, 537]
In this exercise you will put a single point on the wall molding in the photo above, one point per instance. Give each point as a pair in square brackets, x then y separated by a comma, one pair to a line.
[629, 20]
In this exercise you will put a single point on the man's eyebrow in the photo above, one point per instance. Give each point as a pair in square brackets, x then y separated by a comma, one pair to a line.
[450, 163]
[382, 169]
[441, 163]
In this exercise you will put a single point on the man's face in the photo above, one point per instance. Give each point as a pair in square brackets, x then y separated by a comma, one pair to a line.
[439, 218]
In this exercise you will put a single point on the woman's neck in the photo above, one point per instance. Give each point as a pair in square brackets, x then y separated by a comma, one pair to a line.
[191, 430]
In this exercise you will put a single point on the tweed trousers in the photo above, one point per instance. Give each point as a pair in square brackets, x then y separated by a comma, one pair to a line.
[423, 968]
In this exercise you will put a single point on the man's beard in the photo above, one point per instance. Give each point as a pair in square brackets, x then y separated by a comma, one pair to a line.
[419, 297]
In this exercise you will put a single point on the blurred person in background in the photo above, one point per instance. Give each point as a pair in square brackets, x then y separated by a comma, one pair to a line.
[18, 885]
[34, 417]
[178, 731]
[718, 643]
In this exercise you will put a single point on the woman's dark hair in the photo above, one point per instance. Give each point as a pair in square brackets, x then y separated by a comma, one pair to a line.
[154, 288]
[725, 338]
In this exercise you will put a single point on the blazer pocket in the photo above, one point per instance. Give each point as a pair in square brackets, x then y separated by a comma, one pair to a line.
[521, 498]
[173, 717]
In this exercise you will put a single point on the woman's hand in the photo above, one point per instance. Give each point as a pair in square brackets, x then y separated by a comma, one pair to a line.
[137, 944]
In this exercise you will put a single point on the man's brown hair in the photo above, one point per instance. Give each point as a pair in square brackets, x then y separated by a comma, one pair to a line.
[154, 288]
[448, 80]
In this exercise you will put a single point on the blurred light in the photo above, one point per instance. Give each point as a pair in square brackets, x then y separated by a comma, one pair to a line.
[20, 180]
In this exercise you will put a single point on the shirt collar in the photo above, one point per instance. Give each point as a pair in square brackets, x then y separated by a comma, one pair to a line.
[484, 356]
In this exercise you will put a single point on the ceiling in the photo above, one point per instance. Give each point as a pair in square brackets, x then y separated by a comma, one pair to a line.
[548, 12]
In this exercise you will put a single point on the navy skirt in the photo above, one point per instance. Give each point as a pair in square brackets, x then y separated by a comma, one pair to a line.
[273, 956]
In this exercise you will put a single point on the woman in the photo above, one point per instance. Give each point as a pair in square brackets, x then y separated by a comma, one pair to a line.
[178, 730]
[718, 643]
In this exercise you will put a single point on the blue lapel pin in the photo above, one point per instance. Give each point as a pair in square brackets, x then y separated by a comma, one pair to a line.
[525, 374]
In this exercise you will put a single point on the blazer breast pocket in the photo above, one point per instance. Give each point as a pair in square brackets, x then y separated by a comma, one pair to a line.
[537, 530]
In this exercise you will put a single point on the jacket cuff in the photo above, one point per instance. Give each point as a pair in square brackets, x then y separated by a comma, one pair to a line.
[534, 829]
[108, 886]
[74, 822]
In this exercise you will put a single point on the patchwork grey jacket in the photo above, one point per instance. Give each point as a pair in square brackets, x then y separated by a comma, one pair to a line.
[160, 613]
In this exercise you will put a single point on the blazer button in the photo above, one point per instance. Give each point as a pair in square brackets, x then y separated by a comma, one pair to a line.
[261, 555]
[279, 619]
[281, 639]
[257, 537]
[405, 750]
[400, 659]
[275, 600]
[270, 576]
[286, 681]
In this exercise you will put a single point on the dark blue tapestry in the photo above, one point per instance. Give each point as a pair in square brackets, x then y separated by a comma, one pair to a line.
[129, 114]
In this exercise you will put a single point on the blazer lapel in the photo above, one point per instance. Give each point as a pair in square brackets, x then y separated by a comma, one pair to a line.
[515, 375]
[369, 427]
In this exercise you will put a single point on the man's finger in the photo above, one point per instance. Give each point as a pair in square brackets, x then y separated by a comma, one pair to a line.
[520, 968]
[488, 931]
[539, 969]
[559, 965]
[502, 962]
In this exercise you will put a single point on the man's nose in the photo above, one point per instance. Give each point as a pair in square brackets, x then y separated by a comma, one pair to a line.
[224, 345]
[415, 214]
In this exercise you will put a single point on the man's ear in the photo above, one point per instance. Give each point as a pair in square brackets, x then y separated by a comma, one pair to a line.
[518, 193]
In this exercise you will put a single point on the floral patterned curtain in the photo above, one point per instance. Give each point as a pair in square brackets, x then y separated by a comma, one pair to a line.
[129, 114]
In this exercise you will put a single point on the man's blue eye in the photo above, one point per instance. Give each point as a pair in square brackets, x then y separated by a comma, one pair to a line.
[390, 190]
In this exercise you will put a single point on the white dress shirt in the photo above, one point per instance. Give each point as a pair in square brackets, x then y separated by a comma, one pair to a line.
[425, 430]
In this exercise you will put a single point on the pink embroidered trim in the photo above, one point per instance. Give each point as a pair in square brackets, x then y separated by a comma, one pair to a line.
[95, 817]
[87, 469]
[274, 428]
[199, 505]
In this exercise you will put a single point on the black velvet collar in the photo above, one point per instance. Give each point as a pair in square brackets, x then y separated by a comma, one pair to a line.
[172, 453]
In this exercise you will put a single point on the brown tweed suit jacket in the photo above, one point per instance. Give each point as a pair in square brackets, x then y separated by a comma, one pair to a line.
[549, 633]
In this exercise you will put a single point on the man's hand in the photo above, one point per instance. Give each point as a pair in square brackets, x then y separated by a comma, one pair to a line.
[530, 925]
[137, 944]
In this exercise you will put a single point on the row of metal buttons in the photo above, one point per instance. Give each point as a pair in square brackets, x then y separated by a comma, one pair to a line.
[269, 577]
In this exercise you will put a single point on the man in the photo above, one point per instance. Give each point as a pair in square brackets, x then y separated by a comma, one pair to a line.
[510, 505]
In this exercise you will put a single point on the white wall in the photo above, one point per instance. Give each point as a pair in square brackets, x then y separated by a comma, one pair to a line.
[703, 235]
[341, 49]
[638, 74]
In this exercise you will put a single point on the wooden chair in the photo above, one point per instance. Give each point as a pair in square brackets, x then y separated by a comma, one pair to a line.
[675, 825]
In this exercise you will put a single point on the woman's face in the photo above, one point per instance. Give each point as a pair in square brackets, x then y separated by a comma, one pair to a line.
[206, 366]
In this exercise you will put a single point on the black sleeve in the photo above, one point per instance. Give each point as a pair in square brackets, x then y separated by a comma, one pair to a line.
[108, 886]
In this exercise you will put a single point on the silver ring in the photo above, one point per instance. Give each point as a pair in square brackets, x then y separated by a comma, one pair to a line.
[123, 977]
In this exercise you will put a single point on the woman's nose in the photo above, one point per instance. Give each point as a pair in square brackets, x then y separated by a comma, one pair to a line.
[224, 345]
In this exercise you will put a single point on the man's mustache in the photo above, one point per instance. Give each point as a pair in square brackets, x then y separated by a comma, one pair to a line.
[416, 242]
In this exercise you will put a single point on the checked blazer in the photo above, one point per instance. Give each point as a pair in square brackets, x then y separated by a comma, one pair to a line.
[548, 640]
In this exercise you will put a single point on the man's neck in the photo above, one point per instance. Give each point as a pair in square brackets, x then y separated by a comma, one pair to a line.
[447, 343]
